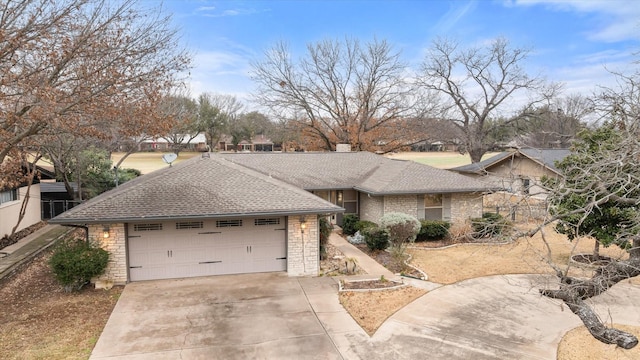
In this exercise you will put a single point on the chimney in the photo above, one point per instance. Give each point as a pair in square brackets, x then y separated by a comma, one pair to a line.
[343, 147]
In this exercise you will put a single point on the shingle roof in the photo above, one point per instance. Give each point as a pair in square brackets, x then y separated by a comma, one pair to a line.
[197, 188]
[364, 171]
[545, 157]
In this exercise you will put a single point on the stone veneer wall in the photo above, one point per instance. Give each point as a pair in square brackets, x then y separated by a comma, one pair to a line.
[407, 204]
[465, 206]
[371, 207]
[116, 272]
[303, 250]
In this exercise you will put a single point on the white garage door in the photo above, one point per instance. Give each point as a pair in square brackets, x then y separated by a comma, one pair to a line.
[164, 250]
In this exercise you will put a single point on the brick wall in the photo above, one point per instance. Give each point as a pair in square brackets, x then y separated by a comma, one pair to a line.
[303, 249]
[115, 244]
[407, 204]
[465, 206]
[371, 207]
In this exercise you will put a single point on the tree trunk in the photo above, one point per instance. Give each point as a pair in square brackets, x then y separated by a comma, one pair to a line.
[596, 251]
[574, 291]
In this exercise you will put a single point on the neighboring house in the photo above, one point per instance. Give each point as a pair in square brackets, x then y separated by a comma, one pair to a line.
[257, 212]
[198, 143]
[55, 199]
[257, 143]
[11, 201]
[518, 171]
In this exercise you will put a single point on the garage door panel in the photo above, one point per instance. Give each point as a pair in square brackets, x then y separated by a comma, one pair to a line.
[176, 252]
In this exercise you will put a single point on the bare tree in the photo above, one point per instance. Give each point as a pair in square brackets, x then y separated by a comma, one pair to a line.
[83, 67]
[476, 85]
[340, 92]
[184, 113]
[553, 125]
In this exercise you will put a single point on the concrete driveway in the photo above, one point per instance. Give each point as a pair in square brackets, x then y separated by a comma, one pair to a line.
[272, 316]
[257, 316]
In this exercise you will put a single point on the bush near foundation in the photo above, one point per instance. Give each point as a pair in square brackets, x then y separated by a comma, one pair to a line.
[349, 222]
[433, 230]
[489, 225]
[376, 238]
[75, 262]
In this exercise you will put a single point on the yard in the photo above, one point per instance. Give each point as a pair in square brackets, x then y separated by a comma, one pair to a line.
[40, 321]
[466, 261]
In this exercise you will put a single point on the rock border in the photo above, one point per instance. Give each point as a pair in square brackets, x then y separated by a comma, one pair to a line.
[342, 289]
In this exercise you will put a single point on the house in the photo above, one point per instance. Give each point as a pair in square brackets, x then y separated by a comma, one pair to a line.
[189, 143]
[257, 212]
[55, 199]
[12, 199]
[518, 171]
[259, 142]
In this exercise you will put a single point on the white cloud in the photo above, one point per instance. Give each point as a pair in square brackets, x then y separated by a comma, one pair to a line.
[619, 20]
[449, 20]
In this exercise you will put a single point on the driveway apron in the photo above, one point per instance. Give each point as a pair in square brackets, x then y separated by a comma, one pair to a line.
[256, 316]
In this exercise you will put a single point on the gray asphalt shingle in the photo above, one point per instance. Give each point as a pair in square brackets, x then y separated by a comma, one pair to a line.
[364, 171]
[197, 188]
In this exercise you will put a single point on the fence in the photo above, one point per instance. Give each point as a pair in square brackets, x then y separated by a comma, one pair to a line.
[53, 208]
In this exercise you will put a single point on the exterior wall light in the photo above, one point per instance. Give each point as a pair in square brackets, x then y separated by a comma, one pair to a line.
[303, 224]
[105, 232]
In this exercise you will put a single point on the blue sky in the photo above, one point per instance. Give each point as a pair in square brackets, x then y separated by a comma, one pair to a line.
[574, 42]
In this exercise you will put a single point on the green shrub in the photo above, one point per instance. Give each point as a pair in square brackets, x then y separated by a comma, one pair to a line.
[433, 230]
[376, 238]
[490, 224]
[75, 262]
[363, 224]
[325, 230]
[349, 224]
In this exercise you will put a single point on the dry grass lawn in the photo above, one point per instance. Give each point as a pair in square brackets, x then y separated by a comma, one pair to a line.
[441, 160]
[371, 308]
[524, 256]
[147, 162]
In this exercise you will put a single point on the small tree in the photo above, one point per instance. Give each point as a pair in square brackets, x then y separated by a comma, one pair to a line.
[402, 229]
[75, 262]
[606, 220]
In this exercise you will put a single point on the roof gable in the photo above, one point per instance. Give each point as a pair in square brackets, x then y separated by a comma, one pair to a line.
[202, 187]
[545, 157]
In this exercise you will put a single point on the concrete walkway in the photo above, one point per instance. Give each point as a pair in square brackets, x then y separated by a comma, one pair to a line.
[12, 256]
[372, 268]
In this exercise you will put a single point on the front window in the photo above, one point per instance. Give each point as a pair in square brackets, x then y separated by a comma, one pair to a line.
[433, 207]
[9, 195]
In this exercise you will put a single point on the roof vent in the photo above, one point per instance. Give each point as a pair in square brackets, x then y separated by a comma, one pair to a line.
[343, 147]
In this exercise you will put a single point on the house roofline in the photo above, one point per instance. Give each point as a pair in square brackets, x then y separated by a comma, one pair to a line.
[193, 217]
[434, 191]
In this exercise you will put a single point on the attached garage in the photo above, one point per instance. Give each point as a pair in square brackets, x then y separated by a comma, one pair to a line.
[204, 216]
[164, 250]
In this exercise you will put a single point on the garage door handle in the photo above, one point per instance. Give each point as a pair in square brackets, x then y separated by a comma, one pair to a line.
[282, 258]
[280, 229]
[210, 262]
[135, 267]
